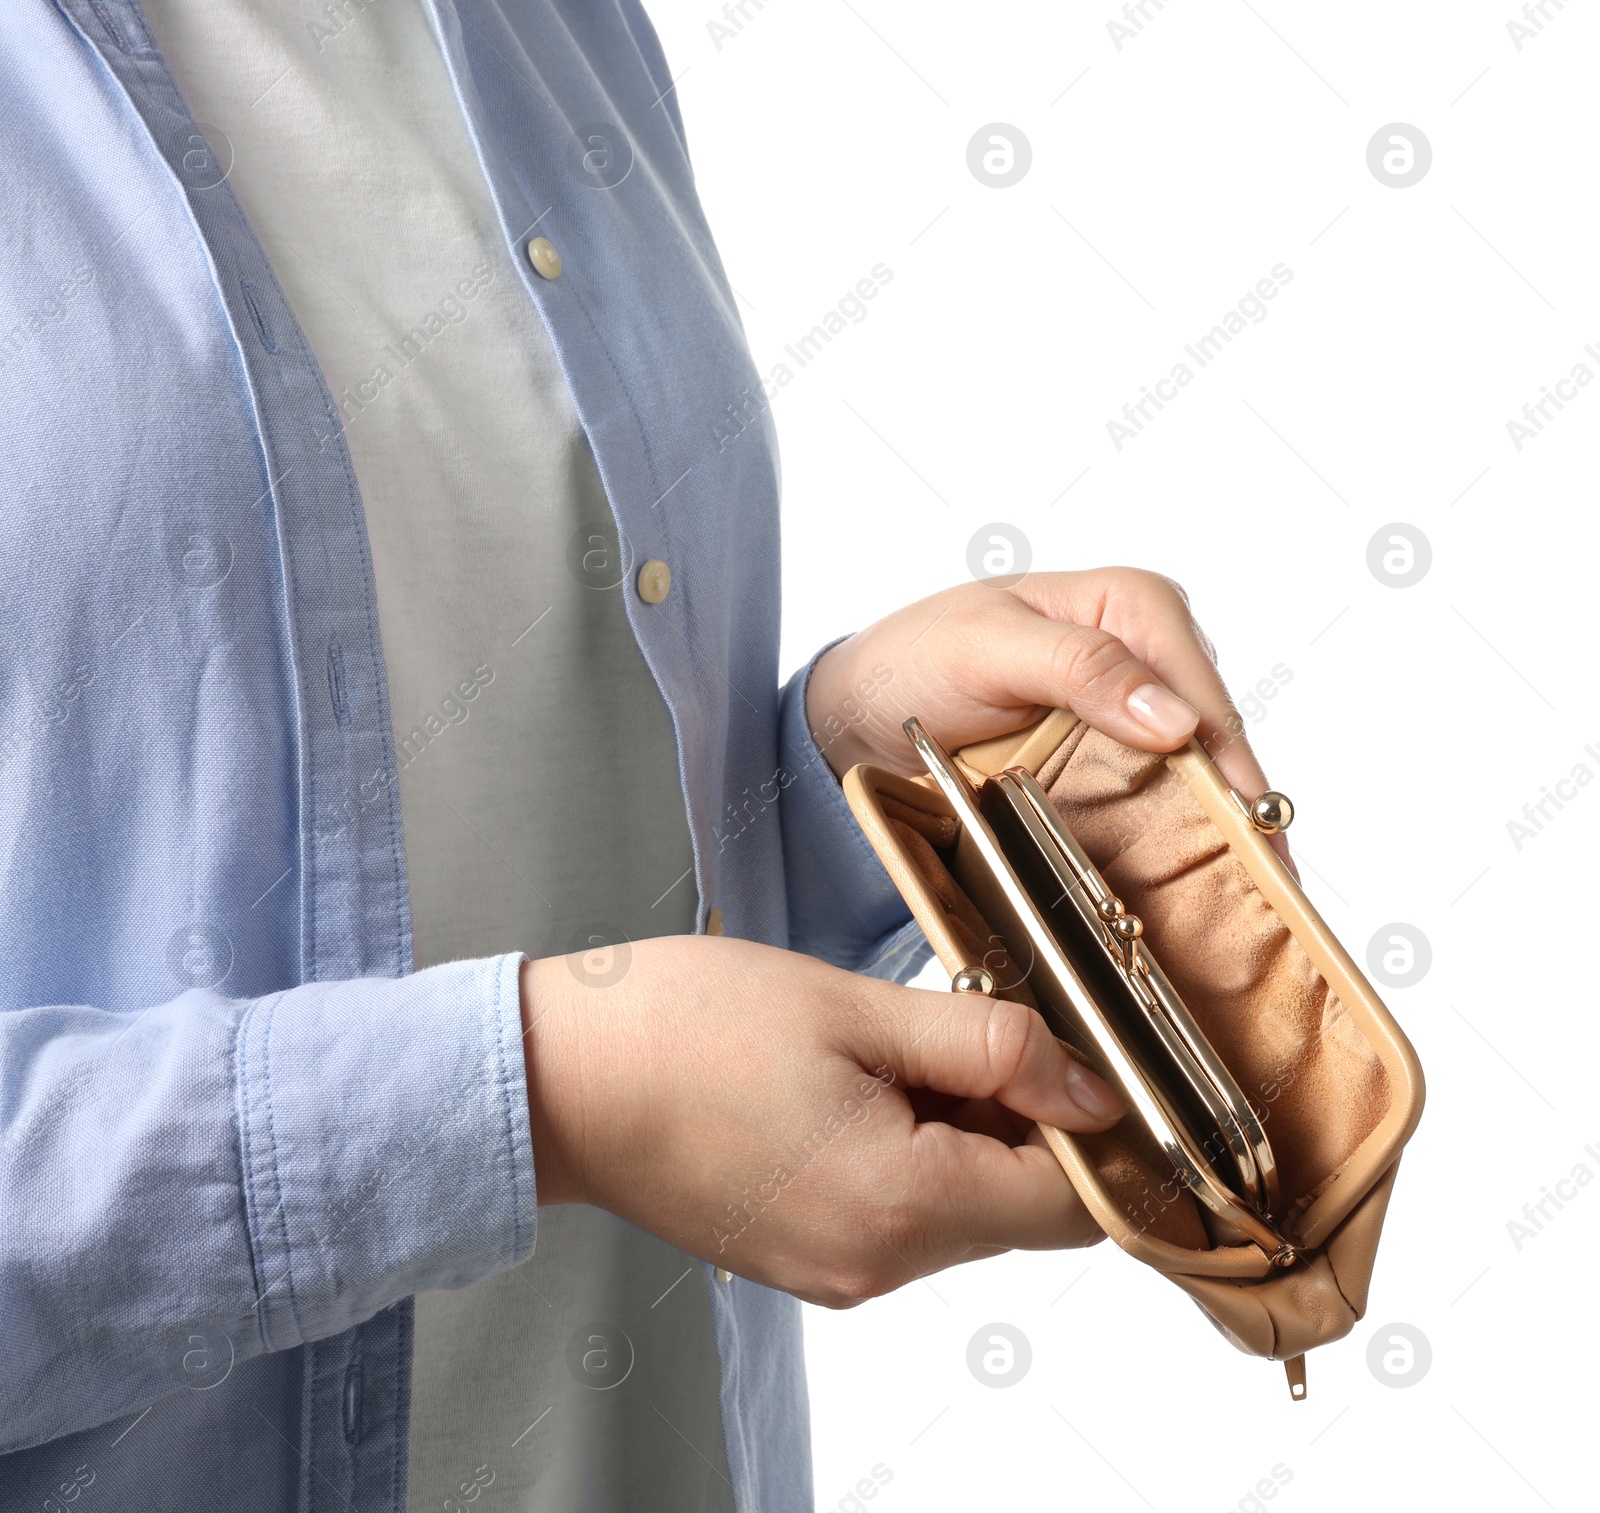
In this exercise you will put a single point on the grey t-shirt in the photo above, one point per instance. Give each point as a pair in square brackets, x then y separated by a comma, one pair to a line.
[537, 763]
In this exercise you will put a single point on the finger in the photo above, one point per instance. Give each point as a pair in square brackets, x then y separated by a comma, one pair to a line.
[1179, 652]
[980, 1047]
[1090, 671]
[974, 1191]
[1150, 617]
[1162, 629]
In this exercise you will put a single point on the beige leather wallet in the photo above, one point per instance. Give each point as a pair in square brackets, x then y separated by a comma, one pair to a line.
[1312, 1087]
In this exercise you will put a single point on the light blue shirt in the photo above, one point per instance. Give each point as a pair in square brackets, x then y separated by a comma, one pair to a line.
[236, 1132]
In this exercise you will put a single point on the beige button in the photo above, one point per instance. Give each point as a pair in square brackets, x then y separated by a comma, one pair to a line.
[723, 1274]
[714, 922]
[655, 578]
[545, 259]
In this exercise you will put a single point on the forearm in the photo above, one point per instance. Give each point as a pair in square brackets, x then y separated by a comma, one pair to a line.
[255, 1172]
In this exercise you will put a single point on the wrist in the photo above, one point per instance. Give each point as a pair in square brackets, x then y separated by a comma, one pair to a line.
[554, 1166]
[837, 704]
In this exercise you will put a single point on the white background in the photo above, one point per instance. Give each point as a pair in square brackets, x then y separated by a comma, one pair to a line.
[1166, 179]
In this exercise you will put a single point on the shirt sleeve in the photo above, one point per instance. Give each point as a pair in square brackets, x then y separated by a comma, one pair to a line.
[843, 907]
[208, 1179]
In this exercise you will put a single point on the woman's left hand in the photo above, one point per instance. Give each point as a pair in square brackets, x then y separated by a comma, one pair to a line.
[1116, 645]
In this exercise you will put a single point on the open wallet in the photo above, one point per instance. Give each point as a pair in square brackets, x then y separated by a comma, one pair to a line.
[1135, 900]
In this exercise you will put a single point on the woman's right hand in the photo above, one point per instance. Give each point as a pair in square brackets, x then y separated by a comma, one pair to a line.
[750, 1106]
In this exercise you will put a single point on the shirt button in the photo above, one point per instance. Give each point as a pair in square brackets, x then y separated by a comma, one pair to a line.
[545, 259]
[714, 922]
[655, 578]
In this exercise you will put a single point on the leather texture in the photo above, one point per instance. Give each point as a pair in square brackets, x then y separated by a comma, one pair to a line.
[1336, 1081]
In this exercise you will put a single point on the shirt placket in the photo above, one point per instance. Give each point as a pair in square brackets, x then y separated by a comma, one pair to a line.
[354, 910]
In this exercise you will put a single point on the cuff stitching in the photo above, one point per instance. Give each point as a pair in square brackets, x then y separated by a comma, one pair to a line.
[277, 1177]
[505, 1100]
[247, 1174]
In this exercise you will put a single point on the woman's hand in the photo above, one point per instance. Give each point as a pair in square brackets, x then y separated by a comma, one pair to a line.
[755, 1108]
[1116, 645]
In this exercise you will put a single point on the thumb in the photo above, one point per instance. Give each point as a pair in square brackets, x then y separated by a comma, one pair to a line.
[1089, 671]
[977, 1047]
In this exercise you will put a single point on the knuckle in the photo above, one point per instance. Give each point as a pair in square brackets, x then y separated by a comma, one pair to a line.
[850, 1286]
[1009, 1037]
[1112, 580]
[1144, 586]
[1122, 582]
[1092, 663]
[840, 1302]
[1173, 588]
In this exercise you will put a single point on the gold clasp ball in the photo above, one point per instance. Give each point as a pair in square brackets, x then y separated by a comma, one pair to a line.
[1272, 813]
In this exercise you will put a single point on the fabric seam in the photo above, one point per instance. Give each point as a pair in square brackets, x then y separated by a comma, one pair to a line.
[277, 1175]
[505, 1101]
[247, 1176]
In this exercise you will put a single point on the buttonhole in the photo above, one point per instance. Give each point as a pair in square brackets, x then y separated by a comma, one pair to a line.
[352, 1403]
[248, 290]
[341, 708]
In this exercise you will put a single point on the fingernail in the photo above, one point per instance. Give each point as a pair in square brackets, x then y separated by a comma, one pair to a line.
[1095, 1096]
[1162, 712]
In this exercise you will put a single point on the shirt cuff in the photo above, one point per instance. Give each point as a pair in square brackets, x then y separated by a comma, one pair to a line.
[385, 1142]
[843, 908]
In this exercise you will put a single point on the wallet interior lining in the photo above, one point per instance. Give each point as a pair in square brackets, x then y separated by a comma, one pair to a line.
[1319, 1085]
